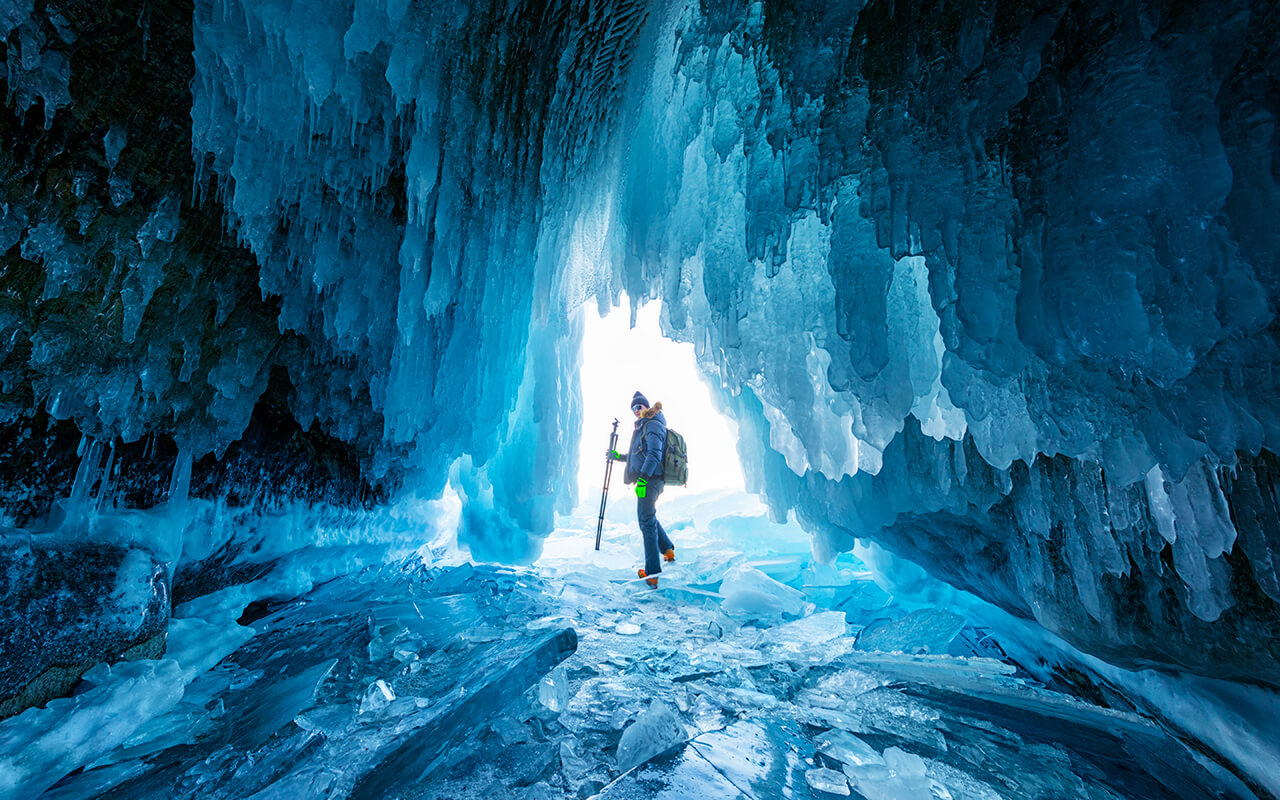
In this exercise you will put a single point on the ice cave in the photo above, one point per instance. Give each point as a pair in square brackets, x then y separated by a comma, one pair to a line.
[301, 474]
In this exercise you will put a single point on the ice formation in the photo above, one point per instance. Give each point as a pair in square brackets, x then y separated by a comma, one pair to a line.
[946, 303]
[991, 287]
[433, 677]
[940, 297]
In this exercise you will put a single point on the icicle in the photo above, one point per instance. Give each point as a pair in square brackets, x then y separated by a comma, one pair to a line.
[87, 475]
[180, 482]
[144, 23]
[107, 488]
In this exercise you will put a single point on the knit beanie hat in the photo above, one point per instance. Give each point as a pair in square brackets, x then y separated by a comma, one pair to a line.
[639, 399]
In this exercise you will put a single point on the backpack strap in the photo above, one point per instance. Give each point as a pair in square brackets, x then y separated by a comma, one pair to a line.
[644, 427]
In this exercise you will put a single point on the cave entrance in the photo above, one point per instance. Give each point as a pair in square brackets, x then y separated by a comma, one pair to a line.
[616, 361]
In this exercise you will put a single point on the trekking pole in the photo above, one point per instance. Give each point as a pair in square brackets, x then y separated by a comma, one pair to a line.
[608, 470]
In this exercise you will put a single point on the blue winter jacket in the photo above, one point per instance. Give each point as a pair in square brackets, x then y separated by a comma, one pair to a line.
[648, 440]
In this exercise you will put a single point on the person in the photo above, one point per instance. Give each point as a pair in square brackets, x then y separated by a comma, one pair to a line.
[644, 469]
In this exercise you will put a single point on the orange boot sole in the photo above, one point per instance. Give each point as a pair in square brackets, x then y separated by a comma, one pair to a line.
[669, 555]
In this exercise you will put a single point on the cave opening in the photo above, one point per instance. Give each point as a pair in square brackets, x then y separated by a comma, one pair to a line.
[619, 359]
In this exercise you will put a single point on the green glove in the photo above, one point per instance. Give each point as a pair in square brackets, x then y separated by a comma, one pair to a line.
[615, 455]
[641, 487]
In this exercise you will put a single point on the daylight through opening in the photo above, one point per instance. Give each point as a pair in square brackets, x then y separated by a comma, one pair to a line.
[618, 360]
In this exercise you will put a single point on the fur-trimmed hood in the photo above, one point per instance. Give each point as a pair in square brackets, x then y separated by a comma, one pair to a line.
[652, 411]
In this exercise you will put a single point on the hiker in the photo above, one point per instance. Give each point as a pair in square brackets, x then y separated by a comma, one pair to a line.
[644, 469]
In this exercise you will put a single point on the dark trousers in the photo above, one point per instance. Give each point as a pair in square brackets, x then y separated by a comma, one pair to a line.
[655, 538]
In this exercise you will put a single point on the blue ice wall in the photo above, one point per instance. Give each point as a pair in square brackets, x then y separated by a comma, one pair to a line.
[993, 284]
[401, 174]
[963, 271]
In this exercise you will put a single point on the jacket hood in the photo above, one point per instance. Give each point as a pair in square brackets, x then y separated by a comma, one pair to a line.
[652, 411]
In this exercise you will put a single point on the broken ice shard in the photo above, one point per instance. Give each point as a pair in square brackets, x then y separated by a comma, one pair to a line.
[927, 630]
[502, 677]
[827, 781]
[750, 594]
[653, 732]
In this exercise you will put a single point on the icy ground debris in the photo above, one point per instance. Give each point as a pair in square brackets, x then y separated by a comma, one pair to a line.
[572, 679]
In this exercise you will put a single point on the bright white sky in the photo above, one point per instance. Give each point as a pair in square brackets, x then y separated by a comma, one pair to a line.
[616, 361]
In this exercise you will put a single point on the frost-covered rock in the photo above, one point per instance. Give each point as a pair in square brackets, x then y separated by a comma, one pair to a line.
[44, 744]
[66, 606]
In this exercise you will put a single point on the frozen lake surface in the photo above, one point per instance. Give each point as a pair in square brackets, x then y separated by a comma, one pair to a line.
[750, 672]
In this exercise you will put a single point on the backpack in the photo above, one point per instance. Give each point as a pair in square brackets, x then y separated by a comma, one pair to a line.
[675, 460]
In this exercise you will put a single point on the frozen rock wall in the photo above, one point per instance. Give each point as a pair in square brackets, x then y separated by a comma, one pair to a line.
[70, 605]
[325, 222]
[127, 317]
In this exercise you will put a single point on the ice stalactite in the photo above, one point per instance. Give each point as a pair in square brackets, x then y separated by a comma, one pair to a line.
[400, 175]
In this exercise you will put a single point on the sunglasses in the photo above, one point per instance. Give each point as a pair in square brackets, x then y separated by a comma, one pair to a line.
[637, 407]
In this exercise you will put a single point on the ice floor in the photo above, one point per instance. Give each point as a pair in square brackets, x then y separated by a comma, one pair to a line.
[749, 673]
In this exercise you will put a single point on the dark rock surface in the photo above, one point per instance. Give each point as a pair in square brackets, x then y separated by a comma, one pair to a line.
[66, 606]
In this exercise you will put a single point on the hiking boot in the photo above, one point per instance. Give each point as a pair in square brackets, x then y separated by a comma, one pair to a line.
[653, 582]
[669, 555]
